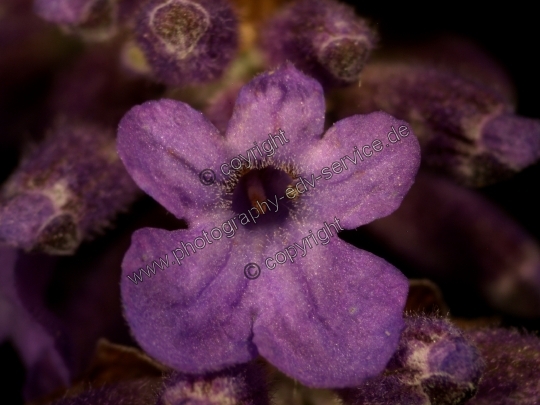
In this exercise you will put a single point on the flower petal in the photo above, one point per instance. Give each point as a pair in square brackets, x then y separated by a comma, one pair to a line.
[165, 145]
[189, 317]
[373, 187]
[285, 99]
[334, 322]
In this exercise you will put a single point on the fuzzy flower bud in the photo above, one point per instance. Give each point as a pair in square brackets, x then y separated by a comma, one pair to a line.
[186, 41]
[467, 130]
[512, 374]
[67, 189]
[323, 38]
[241, 385]
[433, 365]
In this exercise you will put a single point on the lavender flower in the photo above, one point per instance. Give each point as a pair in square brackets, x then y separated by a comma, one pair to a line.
[323, 38]
[333, 317]
[434, 364]
[512, 373]
[457, 237]
[187, 41]
[66, 190]
[467, 130]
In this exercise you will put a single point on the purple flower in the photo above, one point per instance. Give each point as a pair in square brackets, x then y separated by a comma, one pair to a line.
[434, 364]
[323, 38]
[187, 41]
[331, 318]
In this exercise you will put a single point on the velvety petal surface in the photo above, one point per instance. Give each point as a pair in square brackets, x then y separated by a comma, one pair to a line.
[165, 145]
[333, 318]
[284, 99]
[189, 316]
[319, 320]
[373, 187]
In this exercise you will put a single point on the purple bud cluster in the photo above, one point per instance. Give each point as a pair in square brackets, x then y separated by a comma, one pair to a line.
[176, 42]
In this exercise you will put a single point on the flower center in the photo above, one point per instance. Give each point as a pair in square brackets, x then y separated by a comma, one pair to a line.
[261, 195]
